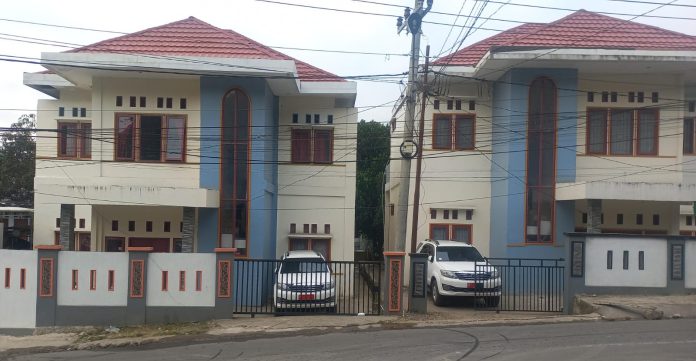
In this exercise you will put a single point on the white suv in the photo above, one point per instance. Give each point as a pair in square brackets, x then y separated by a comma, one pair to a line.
[304, 280]
[452, 272]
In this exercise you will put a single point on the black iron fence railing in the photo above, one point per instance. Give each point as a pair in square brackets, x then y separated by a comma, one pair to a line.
[514, 284]
[302, 286]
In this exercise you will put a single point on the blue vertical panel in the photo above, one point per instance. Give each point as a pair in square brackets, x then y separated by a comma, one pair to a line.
[262, 218]
[510, 107]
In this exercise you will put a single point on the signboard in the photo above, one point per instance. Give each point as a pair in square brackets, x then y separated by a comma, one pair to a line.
[418, 280]
[577, 257]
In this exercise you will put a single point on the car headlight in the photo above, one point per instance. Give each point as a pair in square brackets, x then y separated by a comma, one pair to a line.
[448, 274]
[494, 273]
[331, 284]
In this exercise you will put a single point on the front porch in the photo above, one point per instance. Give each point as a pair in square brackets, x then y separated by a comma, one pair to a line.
[113, 228]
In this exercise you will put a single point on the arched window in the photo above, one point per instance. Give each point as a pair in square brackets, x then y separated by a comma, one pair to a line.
[234, 171]
[541, 162]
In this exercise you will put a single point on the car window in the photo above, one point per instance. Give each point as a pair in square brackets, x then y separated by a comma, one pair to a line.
[303, 265]
[466, 254]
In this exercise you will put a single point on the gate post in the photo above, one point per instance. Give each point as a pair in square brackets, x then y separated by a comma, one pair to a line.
[47, 284]
[136, 305]
[394, 270]
[417, 298]
[224, 282]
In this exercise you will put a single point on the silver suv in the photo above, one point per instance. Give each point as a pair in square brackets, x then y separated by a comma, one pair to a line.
[304, 280]
[458, 269]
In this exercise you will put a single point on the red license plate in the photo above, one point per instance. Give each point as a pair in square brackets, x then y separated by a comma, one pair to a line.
[471, 285]
[306, 297]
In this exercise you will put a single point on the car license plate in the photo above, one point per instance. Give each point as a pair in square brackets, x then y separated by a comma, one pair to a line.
[306, 297]
[474, 285]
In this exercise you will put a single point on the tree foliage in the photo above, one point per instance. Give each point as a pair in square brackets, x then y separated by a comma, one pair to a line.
[372, 157]
[17, 159]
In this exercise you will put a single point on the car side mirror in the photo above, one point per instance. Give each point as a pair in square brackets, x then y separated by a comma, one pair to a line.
[430, 258]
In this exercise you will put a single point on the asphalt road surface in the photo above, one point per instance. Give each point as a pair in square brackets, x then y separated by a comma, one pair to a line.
[629, 340]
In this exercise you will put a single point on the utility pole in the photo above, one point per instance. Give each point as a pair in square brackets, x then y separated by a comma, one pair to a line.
[408, 149]
[419, 156]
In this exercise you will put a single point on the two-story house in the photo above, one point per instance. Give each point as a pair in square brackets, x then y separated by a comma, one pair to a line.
[581, 124]
[186, 137]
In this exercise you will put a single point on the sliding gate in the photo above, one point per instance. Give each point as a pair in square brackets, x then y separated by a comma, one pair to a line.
[268, 286]
[535, 285]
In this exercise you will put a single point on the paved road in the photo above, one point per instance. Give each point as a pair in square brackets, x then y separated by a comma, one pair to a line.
[630, 340]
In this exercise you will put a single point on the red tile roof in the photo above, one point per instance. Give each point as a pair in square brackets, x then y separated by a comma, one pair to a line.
[193, 37]
[581, 30]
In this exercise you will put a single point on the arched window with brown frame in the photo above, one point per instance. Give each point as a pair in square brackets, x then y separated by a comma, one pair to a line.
[234, 171]
[541, 162]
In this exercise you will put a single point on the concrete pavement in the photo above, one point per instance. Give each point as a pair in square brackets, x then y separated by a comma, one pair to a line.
[594, 308]
[636, 307]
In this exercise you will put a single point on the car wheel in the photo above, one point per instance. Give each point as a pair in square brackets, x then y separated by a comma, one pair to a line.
[438, 299]
[492, 301]
[331, 309]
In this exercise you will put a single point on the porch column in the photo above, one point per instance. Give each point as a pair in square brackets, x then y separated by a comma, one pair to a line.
[189, 219]
[67, 226]
[594, 215]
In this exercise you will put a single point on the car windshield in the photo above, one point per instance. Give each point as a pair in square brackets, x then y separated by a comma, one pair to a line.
[466, 254]
[303, 265]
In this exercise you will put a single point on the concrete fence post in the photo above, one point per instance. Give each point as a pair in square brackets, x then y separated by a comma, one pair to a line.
[574, 272]
[224, 282]
[136, 313]
[46, 280]
[394, 272]
[418, 295]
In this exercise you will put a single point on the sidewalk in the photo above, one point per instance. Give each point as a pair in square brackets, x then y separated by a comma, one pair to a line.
[590, 307]
[624, 307]
[267, 325]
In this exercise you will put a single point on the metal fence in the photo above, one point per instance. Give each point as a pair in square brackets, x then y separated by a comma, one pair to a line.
[535, 285]
[268, 286]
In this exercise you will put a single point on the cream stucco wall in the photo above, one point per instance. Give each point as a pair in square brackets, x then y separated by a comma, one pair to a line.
[101, 180]
[450, 179]
[318, 193]
[663, 168]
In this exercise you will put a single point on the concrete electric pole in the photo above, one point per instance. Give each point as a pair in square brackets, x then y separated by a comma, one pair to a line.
[408, 149]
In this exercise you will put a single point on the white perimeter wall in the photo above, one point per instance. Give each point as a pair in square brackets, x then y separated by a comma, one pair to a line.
[173, 263]
[18, 306]
[84, 262]
[654, 274]
[690, 265]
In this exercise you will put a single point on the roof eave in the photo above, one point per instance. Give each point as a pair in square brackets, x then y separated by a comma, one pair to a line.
[47, 83]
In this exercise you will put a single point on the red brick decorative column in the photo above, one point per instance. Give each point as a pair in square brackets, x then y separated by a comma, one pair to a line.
[394, 270]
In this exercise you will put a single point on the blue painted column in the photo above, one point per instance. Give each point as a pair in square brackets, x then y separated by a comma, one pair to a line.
[510, 117]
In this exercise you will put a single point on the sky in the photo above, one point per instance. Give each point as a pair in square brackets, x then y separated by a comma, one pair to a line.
[279, 25]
